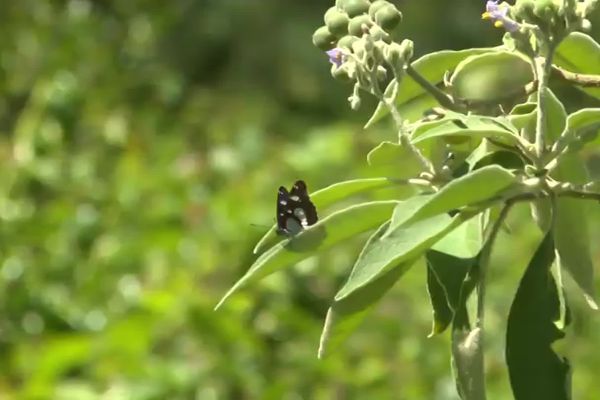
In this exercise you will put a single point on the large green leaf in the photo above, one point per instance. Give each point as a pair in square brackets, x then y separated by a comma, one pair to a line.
[555, 116]
[445, 276]
[471, 128]
[395, 247]
[535, 370]
[579, 52]
[393, 159]
[469, 189]
[412, 99]
[463, 242]
[491, 77]
[571, 233]
[344, 316]
[583, 127]
[327, 196]
[331, 230]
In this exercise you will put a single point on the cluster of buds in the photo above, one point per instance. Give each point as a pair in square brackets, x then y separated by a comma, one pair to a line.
[358, 38]
[555, 18]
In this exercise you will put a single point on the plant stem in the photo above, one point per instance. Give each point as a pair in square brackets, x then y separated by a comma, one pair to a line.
[484, 260]
[543, 66]
[403, 137]
[444, 99]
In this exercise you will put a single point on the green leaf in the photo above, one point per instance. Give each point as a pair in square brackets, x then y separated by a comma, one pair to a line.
[327, 196]
[571, 233]
[331, 230]
[491, 77]
[412, 99]
[555, 115]
[395, 160]
[583, 119]
[471, 128]
[582, 126]
[472, 188]
[580, 53]
[397, 246]
[344, 316]
[463, 242]
[535, 370]
[523, 118]
[445, 276]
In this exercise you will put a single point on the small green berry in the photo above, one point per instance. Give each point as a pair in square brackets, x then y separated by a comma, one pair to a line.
[337, 21]
[323, 39]
[347, 41]
[355, 7]
[388, 17]
[376, 6]
[355, 27]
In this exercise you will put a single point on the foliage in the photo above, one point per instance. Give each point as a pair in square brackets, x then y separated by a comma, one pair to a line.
[142, 142]
[473, 159]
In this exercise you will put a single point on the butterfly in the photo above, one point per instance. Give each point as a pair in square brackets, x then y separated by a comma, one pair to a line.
[295, 211]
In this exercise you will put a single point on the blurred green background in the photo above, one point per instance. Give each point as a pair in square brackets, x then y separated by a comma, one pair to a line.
[140, 143]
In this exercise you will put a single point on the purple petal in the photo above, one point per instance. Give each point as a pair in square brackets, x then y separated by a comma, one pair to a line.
[335, 56]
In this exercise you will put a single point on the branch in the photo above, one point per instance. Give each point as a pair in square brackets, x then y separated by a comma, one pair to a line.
[583, 80]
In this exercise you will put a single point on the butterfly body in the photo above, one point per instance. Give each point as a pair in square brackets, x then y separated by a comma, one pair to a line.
[295, 210]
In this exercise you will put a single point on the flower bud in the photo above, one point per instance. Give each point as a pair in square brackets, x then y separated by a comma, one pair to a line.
[341, 74]
[545, 9]
[523, 10]
[388, 17]
[356, 25]
[336, 21]
[323, 39]
[376, 6]
[346, 41]
[379, 34]
[355, 7]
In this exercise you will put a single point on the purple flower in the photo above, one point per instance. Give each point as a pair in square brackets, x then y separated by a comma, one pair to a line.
[498, 13]
[336, 57]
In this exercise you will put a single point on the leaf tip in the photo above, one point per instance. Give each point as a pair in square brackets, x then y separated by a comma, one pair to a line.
[324, 339]
[591, 302]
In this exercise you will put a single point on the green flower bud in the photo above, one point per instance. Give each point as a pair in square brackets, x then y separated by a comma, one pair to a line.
[336, 21]
[323, 39]
[355, 7]
[388, 17]
[545, 9]
[355, 27]
[586, 25]
[347, 41]
[379, 34]
[341, 74]
[376, 6]
[523, 10]
[381, 73]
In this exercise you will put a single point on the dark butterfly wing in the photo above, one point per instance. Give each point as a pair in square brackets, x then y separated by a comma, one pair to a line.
[295, 211]
[300, 191]
[285, 212]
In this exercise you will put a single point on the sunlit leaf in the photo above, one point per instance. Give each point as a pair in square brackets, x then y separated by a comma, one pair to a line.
[395, 160]
[331, 230]
[325, 197]
[579, 52]
[412, 99]
[398, 245]
[344, 316]
[572, 233]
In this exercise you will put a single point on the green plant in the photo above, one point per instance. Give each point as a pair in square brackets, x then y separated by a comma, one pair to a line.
[498, 136]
